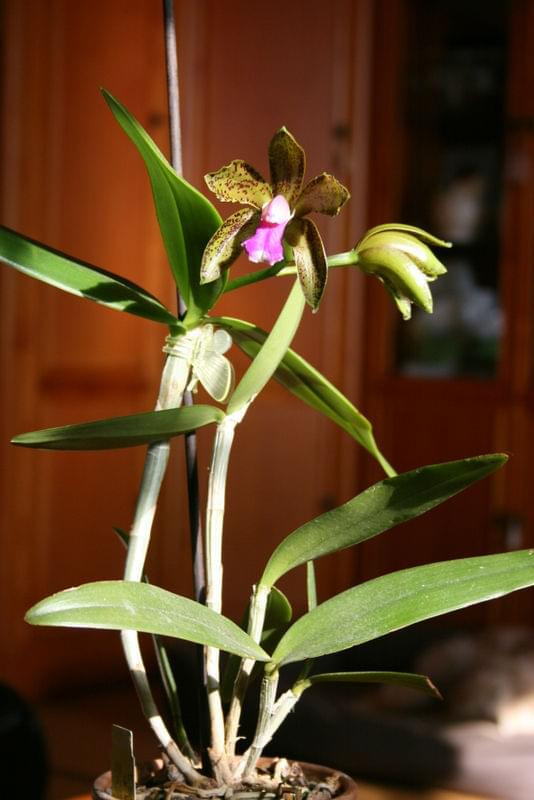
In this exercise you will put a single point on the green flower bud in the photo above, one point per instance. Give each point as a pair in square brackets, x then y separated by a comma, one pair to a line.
[399, 256]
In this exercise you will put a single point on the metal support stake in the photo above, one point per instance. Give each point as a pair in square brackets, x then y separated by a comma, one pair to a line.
[195, 524]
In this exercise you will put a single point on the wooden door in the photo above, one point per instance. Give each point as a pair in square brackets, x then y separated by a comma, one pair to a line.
[454, 153]
[71, 179]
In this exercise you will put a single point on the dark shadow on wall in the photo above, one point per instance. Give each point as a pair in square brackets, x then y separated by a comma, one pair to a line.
[23, 761]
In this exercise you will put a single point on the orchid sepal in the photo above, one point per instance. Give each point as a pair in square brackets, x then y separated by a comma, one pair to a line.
[287, 162]
[226, 243]
[324, 195]
[239, 182]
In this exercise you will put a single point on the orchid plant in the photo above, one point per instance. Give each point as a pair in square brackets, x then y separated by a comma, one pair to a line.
[272, 227]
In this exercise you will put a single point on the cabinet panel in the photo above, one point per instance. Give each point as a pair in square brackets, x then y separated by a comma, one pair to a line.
[476, 72]
[76, 183]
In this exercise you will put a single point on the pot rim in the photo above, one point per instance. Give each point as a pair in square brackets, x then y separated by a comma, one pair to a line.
[102, 785]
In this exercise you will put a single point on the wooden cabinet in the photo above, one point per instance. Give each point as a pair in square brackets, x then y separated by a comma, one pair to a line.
[454, 153]
[335, 74]
[71, 179]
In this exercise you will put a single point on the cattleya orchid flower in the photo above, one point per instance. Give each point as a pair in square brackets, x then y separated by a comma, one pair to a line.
[398, 256]
[275, 215]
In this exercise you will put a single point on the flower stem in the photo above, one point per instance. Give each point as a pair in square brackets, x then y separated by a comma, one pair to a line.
[258, 606]
[287, 267]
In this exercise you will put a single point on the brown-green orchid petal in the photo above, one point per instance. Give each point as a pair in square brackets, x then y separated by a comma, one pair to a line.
[287, 163]
[239, 182]
[310, 259]
[226, 243]
[324, 194]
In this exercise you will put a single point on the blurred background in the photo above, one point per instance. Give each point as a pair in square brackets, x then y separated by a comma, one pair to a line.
[425, 111]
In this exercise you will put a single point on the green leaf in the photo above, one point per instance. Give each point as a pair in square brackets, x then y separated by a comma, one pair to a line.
[277, 618]
[128, 605]
[395, 601]
[271, 352]
[377, 509]
[104, 434]
[409, 680]
[81, 279]
[306, 383]
[186, 218]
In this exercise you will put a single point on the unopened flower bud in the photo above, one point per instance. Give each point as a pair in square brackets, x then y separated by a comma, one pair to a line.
[399, 256]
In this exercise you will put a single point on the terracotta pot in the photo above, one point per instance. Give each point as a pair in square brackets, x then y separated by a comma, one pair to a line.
[349, 791]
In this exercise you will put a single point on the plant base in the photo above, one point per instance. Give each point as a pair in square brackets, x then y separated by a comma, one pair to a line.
[305, 781]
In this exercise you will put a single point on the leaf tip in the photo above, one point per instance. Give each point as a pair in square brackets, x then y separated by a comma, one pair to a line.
[433, 689]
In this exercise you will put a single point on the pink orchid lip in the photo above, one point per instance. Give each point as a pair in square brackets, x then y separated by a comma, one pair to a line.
[276, 210]
[266, 243]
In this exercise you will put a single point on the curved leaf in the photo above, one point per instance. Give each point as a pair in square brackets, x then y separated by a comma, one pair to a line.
[400, 599]
[79, 278]
[104, 434]
[307, 383]
[128, 605]
[408, 680]
[186, 217]
[377, 509]
[271, 352]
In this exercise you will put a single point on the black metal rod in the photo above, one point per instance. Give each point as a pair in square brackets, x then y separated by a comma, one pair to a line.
[173, 89]
[173, 97]
[195, 523]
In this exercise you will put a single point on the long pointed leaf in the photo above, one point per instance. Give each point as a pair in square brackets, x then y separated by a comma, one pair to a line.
[307, 383]
[186, 218]
[271, 352]
[400, 599]
[128, 605]
[409, 680]
[104, 434]
[377, 509]
[78, 278]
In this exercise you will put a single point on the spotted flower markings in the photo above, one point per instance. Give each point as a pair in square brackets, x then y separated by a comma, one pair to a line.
[275, 215]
